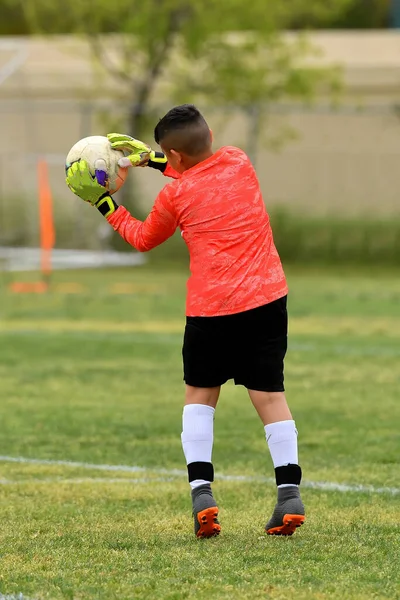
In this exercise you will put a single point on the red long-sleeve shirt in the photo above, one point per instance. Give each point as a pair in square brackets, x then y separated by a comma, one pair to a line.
[218, 206]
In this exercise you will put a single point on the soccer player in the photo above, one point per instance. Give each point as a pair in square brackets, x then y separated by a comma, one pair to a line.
[236, 317]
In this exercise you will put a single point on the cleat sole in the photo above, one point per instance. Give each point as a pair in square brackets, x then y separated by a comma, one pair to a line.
[208, 521]
[290, 524]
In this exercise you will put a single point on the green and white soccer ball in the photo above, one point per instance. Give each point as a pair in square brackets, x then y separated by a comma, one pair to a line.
[96, 150]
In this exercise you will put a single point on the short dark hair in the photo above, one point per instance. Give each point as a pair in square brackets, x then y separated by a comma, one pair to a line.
[183, 129]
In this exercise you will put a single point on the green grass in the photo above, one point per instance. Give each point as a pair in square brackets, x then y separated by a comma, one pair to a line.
[95, 377]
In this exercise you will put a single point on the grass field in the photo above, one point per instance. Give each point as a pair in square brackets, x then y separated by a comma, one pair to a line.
[91, 375]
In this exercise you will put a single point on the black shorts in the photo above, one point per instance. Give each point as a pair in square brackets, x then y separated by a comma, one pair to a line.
[248, 347]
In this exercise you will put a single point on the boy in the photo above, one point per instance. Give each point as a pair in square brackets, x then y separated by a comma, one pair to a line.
[236, 324]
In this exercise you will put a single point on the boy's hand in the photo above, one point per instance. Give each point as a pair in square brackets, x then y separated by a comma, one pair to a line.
[91, 188]
[140, 154]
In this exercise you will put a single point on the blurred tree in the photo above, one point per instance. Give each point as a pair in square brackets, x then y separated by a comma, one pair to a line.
[356, 14]
[193, 45]
[208, 51]
[363, 14]
[12, 19]
[353, 14]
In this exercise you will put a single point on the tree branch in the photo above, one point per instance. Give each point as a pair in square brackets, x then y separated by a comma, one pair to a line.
[158, 55]
[101, 55]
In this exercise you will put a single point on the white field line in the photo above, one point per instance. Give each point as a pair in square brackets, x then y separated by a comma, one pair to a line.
[12, 66]
[168, 473]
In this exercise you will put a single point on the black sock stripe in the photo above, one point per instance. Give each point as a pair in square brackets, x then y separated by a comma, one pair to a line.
[200, 470]
[289, 474]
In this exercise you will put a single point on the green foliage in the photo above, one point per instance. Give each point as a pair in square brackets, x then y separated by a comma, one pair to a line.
[362, 14]
[335, 240]
[19, 17]
[12, 19]
[58, 17]
[257, 68]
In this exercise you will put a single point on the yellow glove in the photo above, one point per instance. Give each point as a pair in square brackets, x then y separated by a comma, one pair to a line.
[92, 188]
[139, 153]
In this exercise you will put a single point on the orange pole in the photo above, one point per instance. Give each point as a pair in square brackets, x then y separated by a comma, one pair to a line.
[47, 232]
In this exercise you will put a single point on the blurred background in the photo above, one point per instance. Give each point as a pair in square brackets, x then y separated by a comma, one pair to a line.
[309, 88]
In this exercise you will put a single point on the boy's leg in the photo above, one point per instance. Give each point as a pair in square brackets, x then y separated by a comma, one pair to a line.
[270, 406]
[201, 395]
[197, 442]
[281, 435]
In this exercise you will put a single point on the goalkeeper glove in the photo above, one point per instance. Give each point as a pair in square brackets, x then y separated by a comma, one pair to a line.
[91, 188]
[140, 154]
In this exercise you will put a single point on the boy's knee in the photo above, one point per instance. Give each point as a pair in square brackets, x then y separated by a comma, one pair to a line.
[207, 396]
[267, 397]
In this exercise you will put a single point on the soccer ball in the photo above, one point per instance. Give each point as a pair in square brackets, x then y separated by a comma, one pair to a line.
[96, 150]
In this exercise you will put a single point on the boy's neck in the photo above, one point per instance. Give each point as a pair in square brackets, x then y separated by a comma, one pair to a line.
[192, 161]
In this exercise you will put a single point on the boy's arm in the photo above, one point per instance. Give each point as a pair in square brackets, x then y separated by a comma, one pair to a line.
[140, 155]
[160, 224]
[160, 162]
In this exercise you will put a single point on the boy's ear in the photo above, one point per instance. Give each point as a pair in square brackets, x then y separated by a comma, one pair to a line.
[211, 135]
[177, 156]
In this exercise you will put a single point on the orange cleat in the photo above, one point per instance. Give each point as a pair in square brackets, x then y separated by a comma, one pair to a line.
[208, 523]
[289, 513]
[290, 524]
[205, 512]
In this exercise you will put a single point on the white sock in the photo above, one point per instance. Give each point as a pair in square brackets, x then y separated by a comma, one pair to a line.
[282, 443]
[197, 435]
